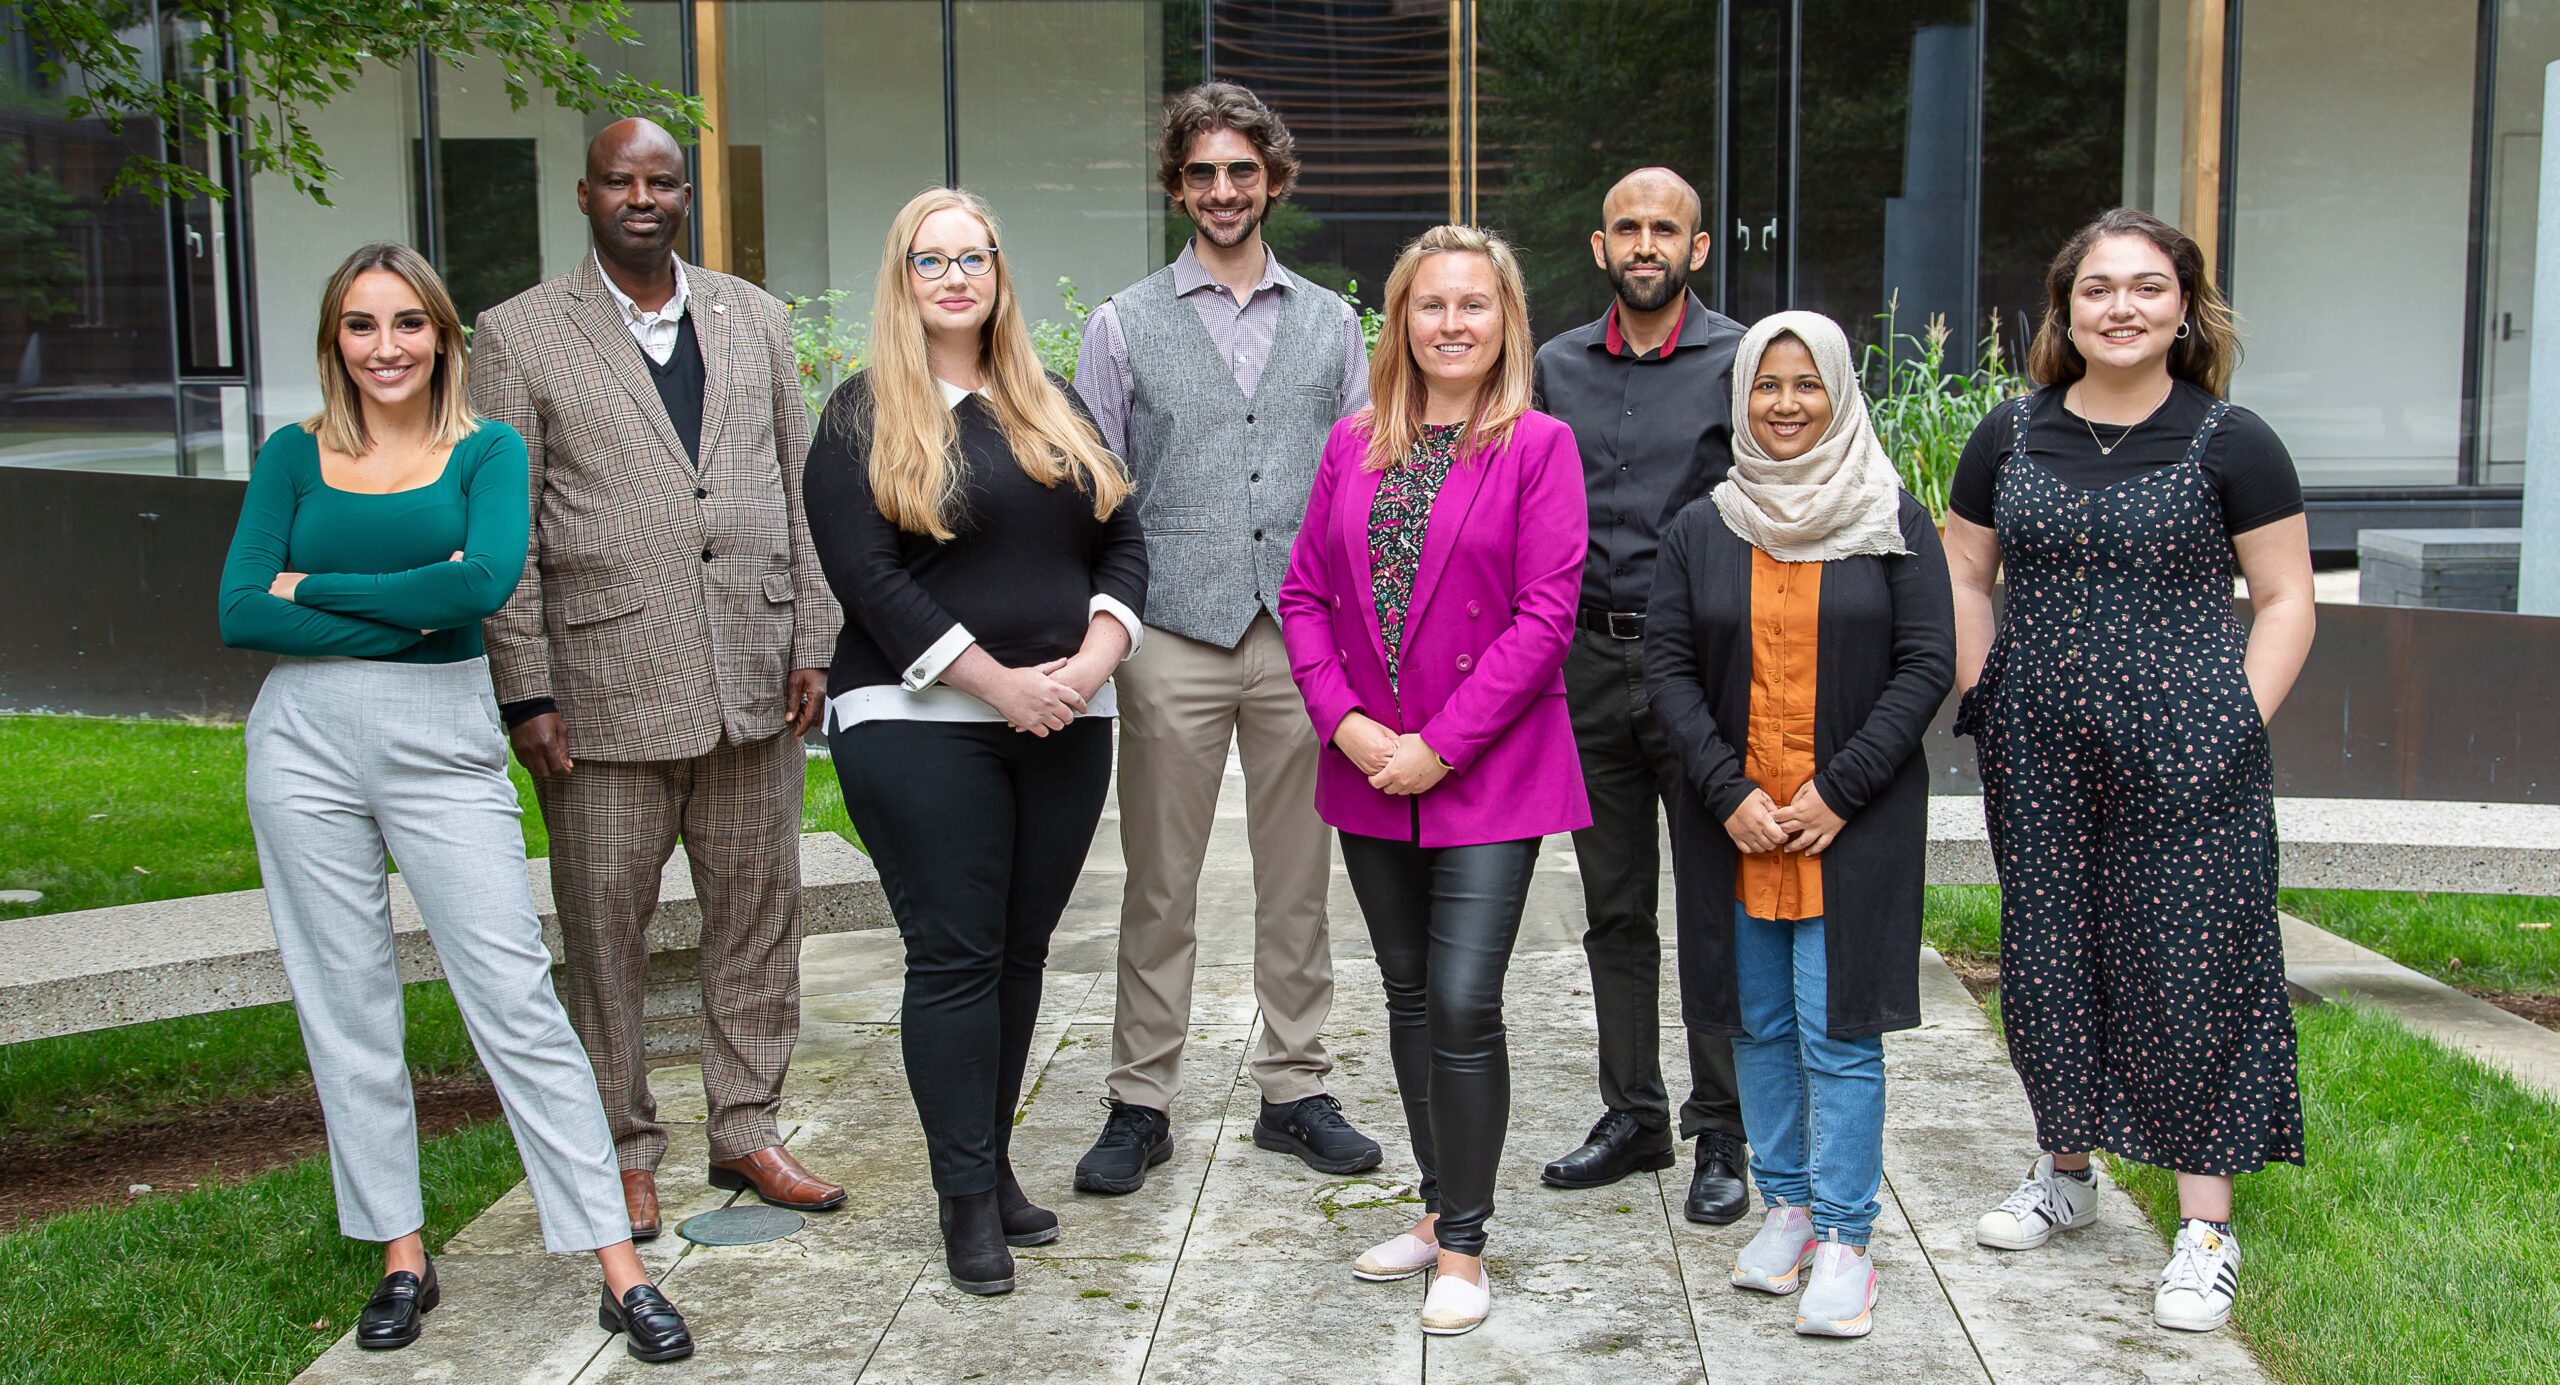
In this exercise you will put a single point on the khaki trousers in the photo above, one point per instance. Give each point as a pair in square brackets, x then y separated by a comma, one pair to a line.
[1182, 702]
[613, 825]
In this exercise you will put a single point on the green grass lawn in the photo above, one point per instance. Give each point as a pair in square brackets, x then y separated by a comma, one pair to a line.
[2475, 942]
[248, 1282]
[2411, 1246]
[97, 811]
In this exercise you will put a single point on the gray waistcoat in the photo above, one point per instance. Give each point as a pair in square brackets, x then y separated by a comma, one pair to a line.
[1222, 480]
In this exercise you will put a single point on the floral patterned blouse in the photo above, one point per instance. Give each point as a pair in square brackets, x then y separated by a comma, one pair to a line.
[1397, 521]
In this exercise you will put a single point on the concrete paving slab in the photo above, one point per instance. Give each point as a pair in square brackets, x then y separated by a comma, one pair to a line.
[528, 1318]
[2333, 968]
[1066, 1320]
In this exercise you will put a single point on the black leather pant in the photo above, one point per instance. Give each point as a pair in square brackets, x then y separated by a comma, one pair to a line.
[1443, 920]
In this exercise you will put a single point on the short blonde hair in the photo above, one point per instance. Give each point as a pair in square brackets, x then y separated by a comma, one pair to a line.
[340, 422]
[1396, 393]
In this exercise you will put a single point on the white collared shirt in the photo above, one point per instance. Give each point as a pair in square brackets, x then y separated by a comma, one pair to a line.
[655, 331]
[919, 695]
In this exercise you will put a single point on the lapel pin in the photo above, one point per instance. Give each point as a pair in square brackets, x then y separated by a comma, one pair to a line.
[719, 307]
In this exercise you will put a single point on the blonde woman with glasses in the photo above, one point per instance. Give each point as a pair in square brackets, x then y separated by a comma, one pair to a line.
[974, 527]
[375, 538]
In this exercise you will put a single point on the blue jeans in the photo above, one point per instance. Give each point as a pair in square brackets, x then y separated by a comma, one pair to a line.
[1812, 1105]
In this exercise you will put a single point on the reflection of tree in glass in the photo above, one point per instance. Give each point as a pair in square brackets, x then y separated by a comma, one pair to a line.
[2053, 147]
[38, 260]
[1571, 94]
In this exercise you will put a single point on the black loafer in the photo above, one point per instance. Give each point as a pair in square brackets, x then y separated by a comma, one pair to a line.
[654, 1330]
[1617, 1146]
[1314, 1130]
[1717, 1194]
[1134, 1139]
[397, 1312]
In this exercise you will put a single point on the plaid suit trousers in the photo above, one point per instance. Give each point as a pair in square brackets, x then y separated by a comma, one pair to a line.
[613, 825]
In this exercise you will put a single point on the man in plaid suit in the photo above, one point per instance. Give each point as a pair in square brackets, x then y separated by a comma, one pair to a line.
[667, 647]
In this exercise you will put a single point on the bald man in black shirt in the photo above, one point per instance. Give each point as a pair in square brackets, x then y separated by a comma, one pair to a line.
[1646, 390]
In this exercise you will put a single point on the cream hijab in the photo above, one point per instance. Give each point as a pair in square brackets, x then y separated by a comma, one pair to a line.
[1839, 499]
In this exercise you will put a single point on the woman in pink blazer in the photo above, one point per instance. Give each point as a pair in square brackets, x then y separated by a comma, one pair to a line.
[1427, 609]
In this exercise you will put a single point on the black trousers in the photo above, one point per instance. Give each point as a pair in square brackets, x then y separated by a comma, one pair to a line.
[979, 832]
[1443, 920]
[1629, 771]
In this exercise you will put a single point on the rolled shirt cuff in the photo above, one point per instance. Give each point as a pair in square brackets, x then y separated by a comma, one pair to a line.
[930, 664]
[1117, 609]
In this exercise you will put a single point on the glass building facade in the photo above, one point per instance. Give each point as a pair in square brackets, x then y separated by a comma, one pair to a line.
[2364, 172]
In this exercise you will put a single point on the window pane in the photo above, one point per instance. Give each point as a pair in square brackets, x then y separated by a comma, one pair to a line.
[1365, 88]
[1571, 95]
[2359, 371]
[1059, 102]
[2052, 158]
[370, 134]
[819, 160]
[2528, 42]
[84, 282]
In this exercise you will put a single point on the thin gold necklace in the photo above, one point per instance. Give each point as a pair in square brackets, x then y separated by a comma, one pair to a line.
[2108, 449]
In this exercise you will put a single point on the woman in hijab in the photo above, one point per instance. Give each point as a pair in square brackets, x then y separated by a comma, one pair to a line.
[1801, 637]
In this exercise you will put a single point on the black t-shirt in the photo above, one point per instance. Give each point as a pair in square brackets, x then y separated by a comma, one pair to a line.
[2244, 459]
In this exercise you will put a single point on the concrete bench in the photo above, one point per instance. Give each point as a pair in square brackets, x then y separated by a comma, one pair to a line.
[100, 968]
[2341, 844]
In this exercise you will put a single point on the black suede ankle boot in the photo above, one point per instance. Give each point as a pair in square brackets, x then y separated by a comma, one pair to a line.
[1026, 1223]
[973, 1244]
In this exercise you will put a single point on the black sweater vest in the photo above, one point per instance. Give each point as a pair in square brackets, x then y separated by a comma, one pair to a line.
[680, 383]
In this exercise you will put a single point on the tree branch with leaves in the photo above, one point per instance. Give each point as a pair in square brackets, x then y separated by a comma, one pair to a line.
[256, 68]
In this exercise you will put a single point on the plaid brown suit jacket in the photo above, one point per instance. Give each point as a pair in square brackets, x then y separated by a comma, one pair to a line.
[661, 607]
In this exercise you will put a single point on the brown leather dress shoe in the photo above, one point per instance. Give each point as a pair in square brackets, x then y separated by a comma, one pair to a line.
[777, 1178]
[640, 1194]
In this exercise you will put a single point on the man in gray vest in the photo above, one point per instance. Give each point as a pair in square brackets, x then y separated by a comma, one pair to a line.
[1217, 378]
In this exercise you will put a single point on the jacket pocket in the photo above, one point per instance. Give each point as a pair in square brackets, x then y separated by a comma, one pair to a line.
[778, 588]
[1176, 519]
[590, 607]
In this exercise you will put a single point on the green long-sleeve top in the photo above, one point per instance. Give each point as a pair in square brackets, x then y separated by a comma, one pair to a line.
[382, 582]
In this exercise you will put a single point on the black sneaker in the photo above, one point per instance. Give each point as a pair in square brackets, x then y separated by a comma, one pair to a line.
[1314, 1130]
[1134, 1139]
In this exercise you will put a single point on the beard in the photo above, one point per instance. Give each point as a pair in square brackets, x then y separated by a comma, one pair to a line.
[1244, 228]
[1642, 296]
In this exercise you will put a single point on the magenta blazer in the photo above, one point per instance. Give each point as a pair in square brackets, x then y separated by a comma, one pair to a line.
[1484, 639]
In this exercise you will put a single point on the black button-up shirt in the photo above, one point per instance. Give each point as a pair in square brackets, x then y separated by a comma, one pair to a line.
[1654, 432]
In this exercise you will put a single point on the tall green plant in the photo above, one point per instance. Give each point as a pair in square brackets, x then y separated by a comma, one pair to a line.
[827, 341]
[1923, 410]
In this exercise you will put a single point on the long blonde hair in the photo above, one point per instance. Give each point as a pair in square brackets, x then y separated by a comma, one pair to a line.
[1396, 393]
[915, 472]
[340, 422]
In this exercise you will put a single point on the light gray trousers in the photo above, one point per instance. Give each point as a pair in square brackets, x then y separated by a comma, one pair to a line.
[349, 758]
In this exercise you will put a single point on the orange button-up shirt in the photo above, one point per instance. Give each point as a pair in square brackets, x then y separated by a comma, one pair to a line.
[1786, 613]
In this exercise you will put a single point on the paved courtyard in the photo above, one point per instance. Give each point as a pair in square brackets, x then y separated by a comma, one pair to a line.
[1232, 1265]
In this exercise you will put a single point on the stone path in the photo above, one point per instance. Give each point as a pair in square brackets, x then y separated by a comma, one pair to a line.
[2333, 968]
[1232, 1264]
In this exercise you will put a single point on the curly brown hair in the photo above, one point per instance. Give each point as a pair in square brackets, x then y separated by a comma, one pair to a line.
[1225, 106]
[2204, 355]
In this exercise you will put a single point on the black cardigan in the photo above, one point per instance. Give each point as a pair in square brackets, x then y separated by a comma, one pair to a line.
[1021, 569]
[1884, 661]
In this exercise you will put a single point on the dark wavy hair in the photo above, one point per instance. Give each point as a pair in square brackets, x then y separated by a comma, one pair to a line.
[1225, 106]
[2204, 357]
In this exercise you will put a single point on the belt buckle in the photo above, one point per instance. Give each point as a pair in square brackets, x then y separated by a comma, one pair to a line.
[1632, 627]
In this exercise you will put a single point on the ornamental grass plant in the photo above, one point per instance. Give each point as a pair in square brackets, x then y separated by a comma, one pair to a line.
[1924, 408]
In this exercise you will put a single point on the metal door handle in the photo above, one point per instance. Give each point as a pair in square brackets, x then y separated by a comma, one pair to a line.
[1742, 233]
[1769, 235]
[195, 242]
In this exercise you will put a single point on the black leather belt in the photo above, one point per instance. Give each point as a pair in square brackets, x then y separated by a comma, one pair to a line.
[1617, 625]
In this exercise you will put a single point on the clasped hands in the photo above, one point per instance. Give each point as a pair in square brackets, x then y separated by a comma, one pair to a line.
[1400, 764]
[1804, 824]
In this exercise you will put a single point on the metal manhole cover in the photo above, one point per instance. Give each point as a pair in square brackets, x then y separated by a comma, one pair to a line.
[740, 1226]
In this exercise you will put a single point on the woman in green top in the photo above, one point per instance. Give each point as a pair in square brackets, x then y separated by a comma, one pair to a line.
[375, 538]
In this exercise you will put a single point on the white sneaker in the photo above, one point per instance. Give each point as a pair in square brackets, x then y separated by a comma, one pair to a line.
[2201, 1283]
[1455, 1306]
[1775, 1257]
[1402, 1258]
[1840, 1299]
[2046, 1203]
